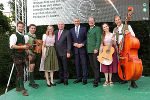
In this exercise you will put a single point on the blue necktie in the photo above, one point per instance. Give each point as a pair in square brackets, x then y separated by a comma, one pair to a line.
[76, 31]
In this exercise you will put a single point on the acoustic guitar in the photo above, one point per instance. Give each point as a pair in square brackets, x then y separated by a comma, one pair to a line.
[106, 56]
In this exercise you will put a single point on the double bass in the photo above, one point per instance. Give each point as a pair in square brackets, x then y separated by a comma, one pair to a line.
[129, 65]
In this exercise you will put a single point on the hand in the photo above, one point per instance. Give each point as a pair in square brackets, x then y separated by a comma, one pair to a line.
[127, 31]
[25, 47]
[68, 55]
[95, 51]
[75, 44]
[80, 45]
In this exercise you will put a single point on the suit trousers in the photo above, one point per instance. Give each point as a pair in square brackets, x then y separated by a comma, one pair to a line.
[81, 58]
[63, 68]
[95, 66]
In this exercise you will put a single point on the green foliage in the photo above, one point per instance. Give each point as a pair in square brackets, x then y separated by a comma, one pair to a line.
[1, 6]
[4, 23]
[5, 58]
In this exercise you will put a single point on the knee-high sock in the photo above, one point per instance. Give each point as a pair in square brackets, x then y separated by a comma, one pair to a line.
[31, 78]
[17, 83]
[21, 83]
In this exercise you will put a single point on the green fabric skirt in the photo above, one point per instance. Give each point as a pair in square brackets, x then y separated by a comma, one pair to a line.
[51, 61]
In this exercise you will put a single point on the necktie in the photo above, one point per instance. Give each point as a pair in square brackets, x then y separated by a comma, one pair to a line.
[76, 31]
[59, 34]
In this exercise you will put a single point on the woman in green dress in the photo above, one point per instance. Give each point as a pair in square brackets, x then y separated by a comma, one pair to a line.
[49, 61]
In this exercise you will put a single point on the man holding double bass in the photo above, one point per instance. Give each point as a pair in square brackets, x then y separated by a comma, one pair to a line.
[119, 35]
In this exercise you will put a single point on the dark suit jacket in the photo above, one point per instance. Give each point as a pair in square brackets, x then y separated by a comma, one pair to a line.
[82, 38]
[63, 45]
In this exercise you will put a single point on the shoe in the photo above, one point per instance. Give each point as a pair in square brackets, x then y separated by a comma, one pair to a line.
[123, 82]
[106, 83]
[111, 83]
[77, 81]
[34, 85]
[66, 83]
[133, 84]
[49, 85]
[95, 84]
[24, 93]
[18, 89]
[84, 82]
[59, 82]
[52, 84]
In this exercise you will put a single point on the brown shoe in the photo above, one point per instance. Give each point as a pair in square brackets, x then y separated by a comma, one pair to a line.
[18, 89]
[24, 92]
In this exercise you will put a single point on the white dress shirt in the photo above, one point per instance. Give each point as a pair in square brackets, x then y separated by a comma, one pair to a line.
[13, 39]
[120, 31]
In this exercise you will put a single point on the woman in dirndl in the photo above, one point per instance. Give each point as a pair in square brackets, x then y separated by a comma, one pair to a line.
[49, 61]
[107, 38]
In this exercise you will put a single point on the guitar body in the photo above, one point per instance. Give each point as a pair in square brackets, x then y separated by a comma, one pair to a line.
[21, 50]
[106, 56]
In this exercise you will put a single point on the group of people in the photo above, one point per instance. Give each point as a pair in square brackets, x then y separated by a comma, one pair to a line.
[56, 49]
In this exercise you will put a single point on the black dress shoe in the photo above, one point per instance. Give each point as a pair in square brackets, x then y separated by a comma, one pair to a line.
[52, 84]
[84, 82]
[123, 82]
[95, 85]
[133, 84]
[77, 81]
[59, 82]
[66, 83]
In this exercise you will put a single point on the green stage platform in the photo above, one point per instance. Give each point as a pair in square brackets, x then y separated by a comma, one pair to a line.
[83, 92]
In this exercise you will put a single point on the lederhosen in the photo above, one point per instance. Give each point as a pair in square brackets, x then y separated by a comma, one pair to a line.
[19, 57]
[32, 54]
[19, 61]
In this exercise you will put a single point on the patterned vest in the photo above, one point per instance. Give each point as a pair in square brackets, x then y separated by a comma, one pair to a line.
[20, 40]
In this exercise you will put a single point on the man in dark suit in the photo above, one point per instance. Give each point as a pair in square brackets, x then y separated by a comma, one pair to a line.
[78, 34]
[63, 49]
